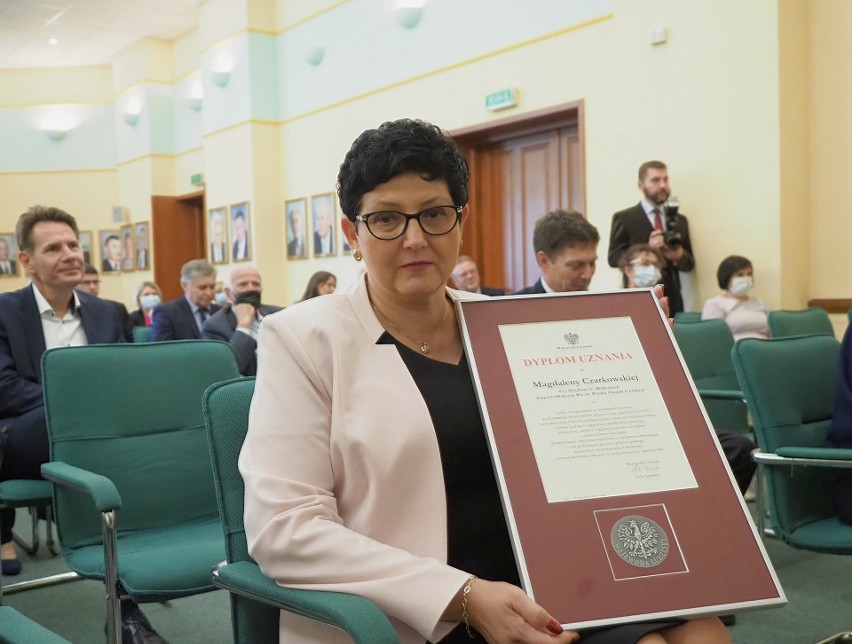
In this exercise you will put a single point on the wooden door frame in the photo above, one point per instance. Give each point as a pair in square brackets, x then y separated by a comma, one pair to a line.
[481, 135]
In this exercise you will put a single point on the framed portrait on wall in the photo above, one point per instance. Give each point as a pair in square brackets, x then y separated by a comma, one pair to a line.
[241, 232]
[143, 257]
[111, 250]
[128, 249]
[8, 255]
[86, 245]
[295, 211]
[217, 235]
[322, 224]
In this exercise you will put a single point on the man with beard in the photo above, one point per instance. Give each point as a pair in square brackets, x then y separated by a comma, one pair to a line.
[646, 223]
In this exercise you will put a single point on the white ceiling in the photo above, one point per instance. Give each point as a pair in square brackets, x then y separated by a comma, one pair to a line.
[88, 32]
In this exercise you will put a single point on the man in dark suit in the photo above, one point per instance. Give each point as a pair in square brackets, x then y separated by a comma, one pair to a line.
[238, 323]
[466, 278]
[111, 262]
[7, 264]
[646, 223]
[46, 314]
[182, 318]
[91, 284]
[241, 243]
[323, 231]
[296, 246]
[565, 246]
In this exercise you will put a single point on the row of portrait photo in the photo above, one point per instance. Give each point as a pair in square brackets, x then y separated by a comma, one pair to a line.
[324, 226]
[122, 250]
[228, 232]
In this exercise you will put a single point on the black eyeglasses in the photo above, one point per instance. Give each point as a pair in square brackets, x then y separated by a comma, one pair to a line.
[389, 224]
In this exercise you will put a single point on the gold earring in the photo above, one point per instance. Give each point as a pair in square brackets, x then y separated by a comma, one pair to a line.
[357, 255]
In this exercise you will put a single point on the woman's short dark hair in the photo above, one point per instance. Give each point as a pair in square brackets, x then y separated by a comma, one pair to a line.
[395, 148]
[35, 215]
[316, 280]
[728, 267]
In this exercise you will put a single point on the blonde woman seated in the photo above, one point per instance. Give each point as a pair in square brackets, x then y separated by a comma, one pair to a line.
[744, 314]
[641, 266]
[366, 466]
[148, 296]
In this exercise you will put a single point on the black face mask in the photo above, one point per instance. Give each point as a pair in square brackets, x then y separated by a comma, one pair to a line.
[248, 297]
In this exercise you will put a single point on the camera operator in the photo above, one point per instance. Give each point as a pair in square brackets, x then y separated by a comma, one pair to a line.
[655, 220]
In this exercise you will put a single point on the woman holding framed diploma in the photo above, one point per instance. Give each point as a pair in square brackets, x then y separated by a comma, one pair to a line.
[366, 465]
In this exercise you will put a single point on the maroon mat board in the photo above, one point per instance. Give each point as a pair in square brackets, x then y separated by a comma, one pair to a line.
[614, 559]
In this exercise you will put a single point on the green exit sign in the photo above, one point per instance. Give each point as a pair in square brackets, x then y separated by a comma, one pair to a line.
[502, 99]
[197, 179]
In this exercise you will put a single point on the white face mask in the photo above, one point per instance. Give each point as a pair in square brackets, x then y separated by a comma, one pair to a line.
[741, 285]
[221, 297]
[149, 301]
[645, 276]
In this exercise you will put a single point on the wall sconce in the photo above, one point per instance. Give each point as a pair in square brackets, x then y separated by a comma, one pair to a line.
[132, 109]
[58, 124]
[56, 135]
[131, 118]
[314, 55]
[220, 77]
[195, 98]
[409, 12]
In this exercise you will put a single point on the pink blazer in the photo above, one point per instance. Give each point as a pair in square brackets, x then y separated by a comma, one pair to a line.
[344, 487]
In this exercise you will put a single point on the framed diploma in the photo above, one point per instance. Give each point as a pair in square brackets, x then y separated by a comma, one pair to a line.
[619, 500]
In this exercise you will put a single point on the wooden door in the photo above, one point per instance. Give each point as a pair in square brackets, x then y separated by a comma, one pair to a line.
[178, 234]
[521, 169]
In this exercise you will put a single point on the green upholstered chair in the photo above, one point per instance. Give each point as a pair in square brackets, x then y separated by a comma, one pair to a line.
[256, 600]
[687, 316]
[133, 490]
[17, 629]
[706, 349]
[790, 386]
[33, 495]
[811, 321]
[141, 334]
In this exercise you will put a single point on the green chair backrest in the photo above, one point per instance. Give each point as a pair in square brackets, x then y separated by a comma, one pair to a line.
[141, 334]
[687, 316]
[812, 321]
[706, 349]
[132, 412]
[226, 409]
[789, 384]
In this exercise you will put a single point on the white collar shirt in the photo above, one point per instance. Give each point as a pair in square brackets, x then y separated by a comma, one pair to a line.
[66, 331]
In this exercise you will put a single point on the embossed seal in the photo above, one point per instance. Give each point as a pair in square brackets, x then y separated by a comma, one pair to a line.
[640, 541]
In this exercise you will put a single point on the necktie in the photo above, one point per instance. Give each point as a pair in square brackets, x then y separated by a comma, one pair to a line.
[202, 316]
[658, 221]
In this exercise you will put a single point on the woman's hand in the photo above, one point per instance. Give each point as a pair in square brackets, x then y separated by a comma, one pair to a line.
[503, 613]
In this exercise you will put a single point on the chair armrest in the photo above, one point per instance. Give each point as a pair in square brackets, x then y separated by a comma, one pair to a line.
[100, 488]
[358, 616]
[722, 394]
[806, 456]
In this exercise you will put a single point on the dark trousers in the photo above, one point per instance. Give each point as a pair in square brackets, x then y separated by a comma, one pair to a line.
[738, 450]
[841, 492]
[24, 449]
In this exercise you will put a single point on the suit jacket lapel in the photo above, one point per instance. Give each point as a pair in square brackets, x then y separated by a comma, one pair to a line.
[31, 324]
[189, 317]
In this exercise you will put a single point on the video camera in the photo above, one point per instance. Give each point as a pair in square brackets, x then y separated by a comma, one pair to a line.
[672, 237]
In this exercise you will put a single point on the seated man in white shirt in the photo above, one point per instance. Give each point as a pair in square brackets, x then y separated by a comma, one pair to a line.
[47, 313]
